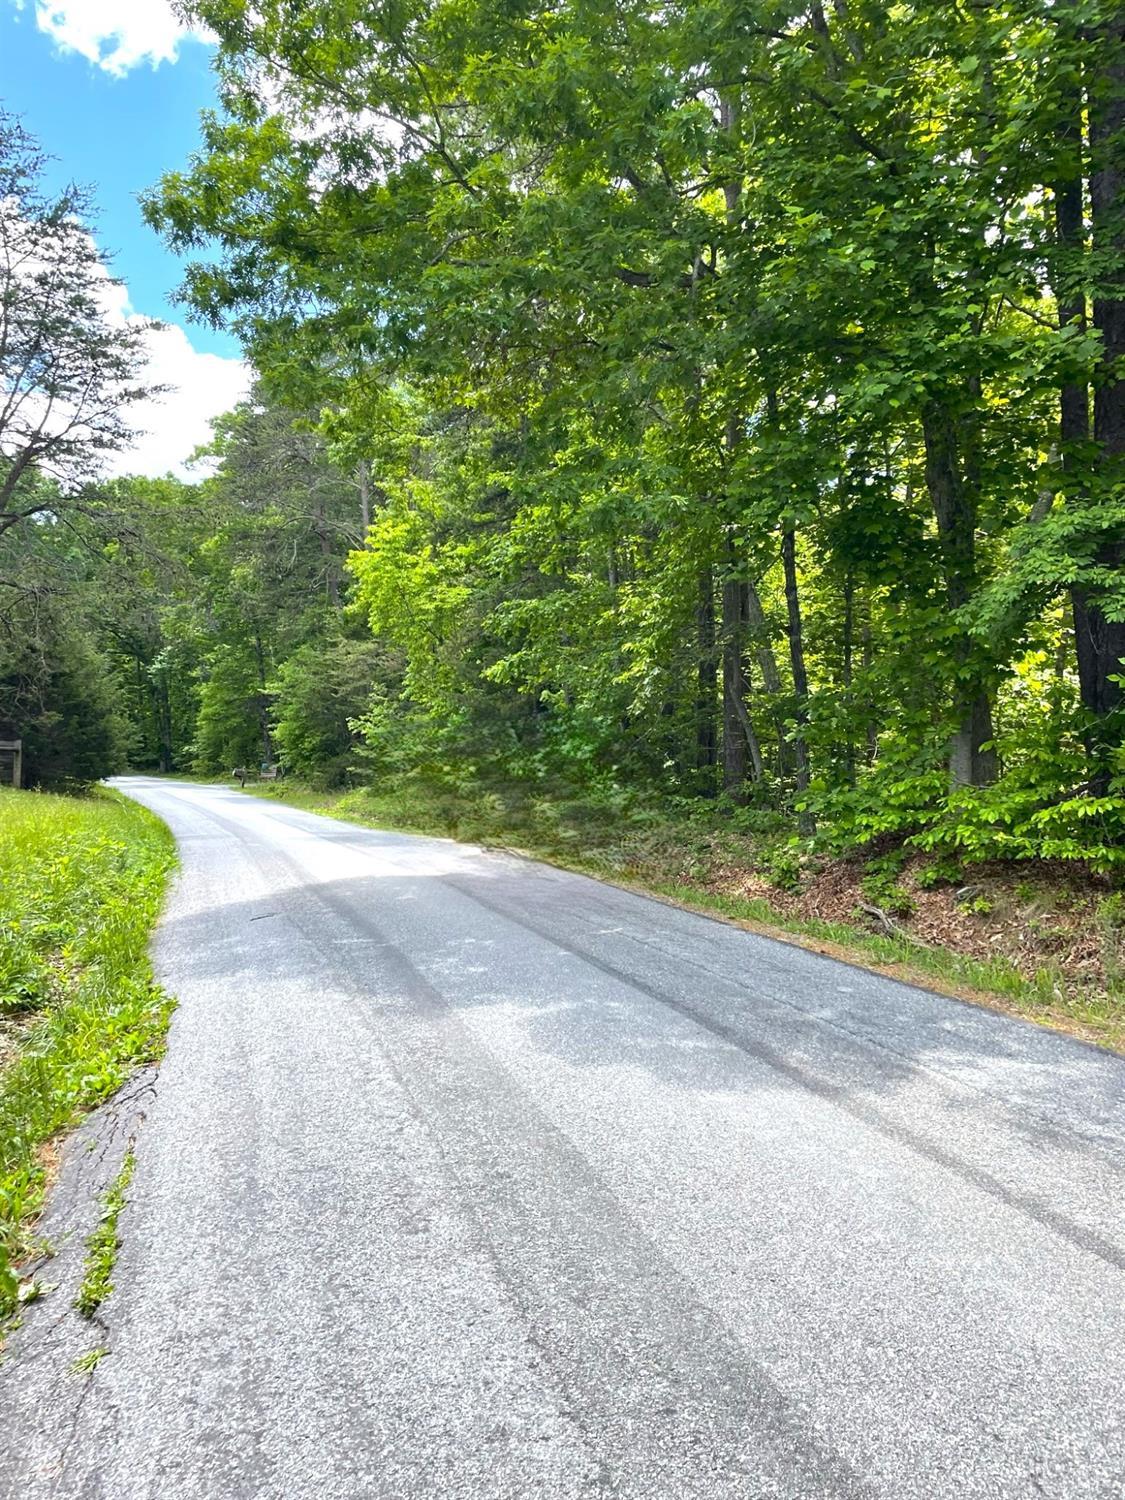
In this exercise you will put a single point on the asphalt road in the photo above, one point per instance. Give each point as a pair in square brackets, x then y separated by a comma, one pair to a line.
[466, 1178]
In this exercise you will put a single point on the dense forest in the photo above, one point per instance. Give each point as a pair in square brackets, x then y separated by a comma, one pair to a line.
[719, 404]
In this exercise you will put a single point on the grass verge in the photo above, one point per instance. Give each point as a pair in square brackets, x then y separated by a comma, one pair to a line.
[81, 884]
[103, 1244]
[687, 862]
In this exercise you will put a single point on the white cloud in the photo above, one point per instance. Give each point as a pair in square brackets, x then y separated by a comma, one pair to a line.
[171, 427]
[115, 34]
[200, 387]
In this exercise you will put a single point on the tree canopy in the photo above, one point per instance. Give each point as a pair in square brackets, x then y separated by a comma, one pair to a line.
[721, 401]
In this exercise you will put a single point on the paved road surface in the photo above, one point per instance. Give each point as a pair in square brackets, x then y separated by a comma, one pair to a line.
[467, 1179]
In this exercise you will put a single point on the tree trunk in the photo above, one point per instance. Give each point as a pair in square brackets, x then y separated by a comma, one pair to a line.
[849, 634]
[738, 732]
[164, 702]
[757, 764]
[1100, 643]
[954, 506]
[800, 676]
[767, 664]
[146, 692]
[871, 729]
[733, 632]
[1107, 213]
[363, 478]
[763, 647]
[706, 676]
[1074, 424]
[328, 557]
[263, 701]
[734, 739]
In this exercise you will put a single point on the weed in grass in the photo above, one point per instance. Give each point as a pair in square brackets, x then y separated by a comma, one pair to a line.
[103, 1244]
[88, 1361]
[977, 906]
[882, 890]
[937, 873]
[782, 866]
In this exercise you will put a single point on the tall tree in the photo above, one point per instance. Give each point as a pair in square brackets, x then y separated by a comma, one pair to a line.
[588, 245]
[69, 372]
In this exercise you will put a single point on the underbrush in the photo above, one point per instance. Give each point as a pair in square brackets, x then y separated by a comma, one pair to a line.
[81, 884]
[1044, 939]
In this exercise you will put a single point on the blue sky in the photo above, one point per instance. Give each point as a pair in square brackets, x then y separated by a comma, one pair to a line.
[112, 89]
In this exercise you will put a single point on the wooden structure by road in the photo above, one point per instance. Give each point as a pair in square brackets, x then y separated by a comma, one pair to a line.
[11, 754]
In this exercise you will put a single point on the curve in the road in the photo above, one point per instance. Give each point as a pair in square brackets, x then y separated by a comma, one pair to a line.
[467, 1177]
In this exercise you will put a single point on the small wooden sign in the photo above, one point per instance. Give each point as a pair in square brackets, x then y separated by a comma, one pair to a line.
[15, 749]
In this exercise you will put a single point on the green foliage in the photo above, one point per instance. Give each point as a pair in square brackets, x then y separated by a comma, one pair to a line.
[81, 883]
[782, 865]
[881, 887]
[319, 695]
[57, 694]
[612, 335]
[939, 872]
[1017, 820]
[888, 895]
[977, 904]
[231, 723]
[668, 407]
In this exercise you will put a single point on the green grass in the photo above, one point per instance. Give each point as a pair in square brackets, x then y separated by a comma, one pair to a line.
[103, 1244]
[672, 858]
[81, 884]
